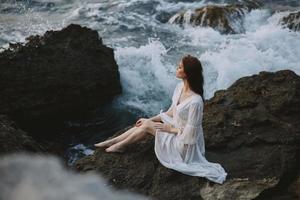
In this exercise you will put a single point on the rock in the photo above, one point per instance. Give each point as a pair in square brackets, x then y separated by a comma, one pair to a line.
[12, 139]
[292, 21]
[236, 188]
[139, 170]
[59, 76]
[28, 176]
[251, 129]
[295, 187]
[226, 19]
[256, 122]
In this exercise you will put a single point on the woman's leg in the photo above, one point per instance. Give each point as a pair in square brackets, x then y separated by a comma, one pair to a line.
[138, 134]
[114, 140]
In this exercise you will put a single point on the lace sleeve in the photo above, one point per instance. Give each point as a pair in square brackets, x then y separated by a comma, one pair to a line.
[193, 126]
[170, 109]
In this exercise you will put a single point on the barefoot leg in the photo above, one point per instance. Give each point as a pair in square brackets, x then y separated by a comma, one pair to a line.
[114, 140]
[137, 135]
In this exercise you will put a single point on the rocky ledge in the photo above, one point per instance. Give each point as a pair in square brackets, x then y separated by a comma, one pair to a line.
[59, 76]
[292, 21]
[227, 19]
[251, 129]
[51, 79]
[13, 139]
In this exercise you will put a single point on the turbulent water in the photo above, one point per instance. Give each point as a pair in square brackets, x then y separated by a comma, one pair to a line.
[147, 49]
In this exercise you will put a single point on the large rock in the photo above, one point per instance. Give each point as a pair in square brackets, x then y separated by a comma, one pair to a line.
[35, 177]
[55, 77]
[292, 21]
[227, 19]
[251, 129]
[13, 139]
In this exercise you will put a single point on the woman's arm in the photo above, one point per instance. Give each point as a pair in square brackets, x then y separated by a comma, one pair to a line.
[169, 112]
[167, 128]
[171, 129]
[174, 130]
[155, 118]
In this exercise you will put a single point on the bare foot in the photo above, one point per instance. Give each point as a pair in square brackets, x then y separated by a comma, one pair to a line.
[106, 143]
[115, 148]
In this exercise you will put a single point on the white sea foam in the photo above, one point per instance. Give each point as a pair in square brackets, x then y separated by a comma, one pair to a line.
[265, 46]
[147, 51]
[144, 75]
[176, 6]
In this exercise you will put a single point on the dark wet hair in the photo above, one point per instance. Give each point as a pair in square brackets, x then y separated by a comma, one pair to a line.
[193, 69]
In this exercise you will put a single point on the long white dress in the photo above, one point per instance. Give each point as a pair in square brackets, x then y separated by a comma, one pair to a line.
[185, 151]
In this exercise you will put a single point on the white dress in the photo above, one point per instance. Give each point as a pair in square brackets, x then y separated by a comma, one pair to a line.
[185, 151]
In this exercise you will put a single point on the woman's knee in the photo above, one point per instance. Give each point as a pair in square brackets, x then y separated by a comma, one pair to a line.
[148, 126]
[146, 123]
[142, 128]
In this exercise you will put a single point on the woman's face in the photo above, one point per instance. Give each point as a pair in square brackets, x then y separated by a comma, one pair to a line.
[179, 71]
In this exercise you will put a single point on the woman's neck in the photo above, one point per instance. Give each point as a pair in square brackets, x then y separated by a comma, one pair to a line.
[186, 87]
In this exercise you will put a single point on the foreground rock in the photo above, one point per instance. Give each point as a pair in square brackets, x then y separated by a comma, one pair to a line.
[292, 21]
[226, 19]
[252, 129]
[13, 139]
[27, 176]
[55, 77]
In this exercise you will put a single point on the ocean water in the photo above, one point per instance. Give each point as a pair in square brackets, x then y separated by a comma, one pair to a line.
[148, 49]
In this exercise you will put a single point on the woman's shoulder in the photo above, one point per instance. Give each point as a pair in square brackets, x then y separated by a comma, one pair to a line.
[179, 84]
[197, 100]
[178, 87]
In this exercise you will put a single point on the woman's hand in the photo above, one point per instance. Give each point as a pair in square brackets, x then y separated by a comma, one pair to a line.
[140, 122]
[163, 126]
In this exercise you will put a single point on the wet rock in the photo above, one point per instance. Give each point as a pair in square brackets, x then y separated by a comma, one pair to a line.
[138, 170]
[292, 21]
[28, 176]
[251, 129]
[227, 19]
[13, 139]
[59, 76]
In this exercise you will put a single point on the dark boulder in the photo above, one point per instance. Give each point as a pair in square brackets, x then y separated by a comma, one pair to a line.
[251, 129]
[59, 76]
[13, 139]
[30, 176]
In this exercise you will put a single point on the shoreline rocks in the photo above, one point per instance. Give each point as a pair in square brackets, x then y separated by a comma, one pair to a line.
[227, 19]
[30, 176]
[251, 129]
[292, 21]
[13, 139]
[59, 76]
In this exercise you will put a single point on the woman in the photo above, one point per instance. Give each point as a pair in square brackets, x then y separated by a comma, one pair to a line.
[179, 141]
